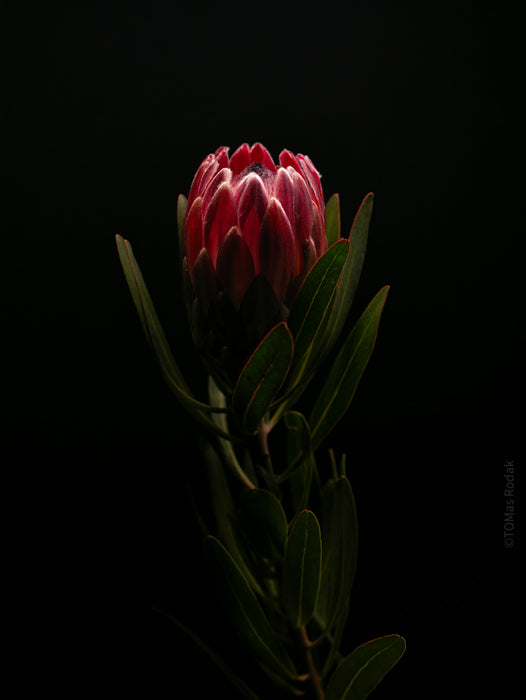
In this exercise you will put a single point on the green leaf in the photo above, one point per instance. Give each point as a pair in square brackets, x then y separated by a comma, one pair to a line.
[340, 548]
[338, 391]
[351, 271]
[236, 681]
[181, 211]
[332, 219]
[360, 672]
[149, 320]
[157, 339]
[335, 638]
[247, 615]
[300, 459]
[224, 511]
[265, 522]
[310, 312]
[262, 377]
[301, 570]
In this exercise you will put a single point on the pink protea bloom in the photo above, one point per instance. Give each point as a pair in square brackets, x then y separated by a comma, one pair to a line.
[251, 231]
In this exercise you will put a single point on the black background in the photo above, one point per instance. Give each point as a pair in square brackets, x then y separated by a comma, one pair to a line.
[109, 111]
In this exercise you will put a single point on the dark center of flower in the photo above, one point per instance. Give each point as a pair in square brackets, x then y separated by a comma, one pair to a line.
[257, 168]
[261, 170]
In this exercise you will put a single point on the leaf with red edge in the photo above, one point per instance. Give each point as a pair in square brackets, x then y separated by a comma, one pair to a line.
[262, 377]
[182, 203]
[302, 569]
[338, 391]
[310, 313]
[360, 672]
[157, 339]
[353, 266]
[332, 219]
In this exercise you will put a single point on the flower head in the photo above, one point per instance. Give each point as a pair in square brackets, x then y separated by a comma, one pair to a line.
[251, 231]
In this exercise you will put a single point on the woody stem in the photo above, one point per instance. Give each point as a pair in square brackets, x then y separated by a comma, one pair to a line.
[314, 676]
[263, 432]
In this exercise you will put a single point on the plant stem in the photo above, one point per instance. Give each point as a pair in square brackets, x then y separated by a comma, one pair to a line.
[217, 398]
[263, 432]
[314, 676]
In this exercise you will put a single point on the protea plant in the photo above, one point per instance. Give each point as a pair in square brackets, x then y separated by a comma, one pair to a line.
[251, 232]
[269, 283]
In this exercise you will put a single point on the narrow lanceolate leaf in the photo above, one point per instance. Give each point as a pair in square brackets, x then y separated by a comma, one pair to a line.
[216, 658]
[264, 523]
[338, 391]
[310, 313]
[304, 480]
[224, 511]
[148, 316]
[335, 639]
[157, 339]
[360, 672]
[351, 272]
[332, 219]
[300, 459]
[247, 615]
[181, 211]
[340, 547]
[301, 570]
[262, 377]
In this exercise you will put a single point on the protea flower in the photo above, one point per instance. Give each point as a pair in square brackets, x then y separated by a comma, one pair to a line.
[251, 231]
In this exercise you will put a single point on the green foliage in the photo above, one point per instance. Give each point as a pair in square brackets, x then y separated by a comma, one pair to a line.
[340, 549]
[302, 569]
[225, 513]
[332, 219]
[157, 339]
[360, 672]
[285, 556]
[246, 613]
[311, 310]
[262, 378]
[346, 372]
[264, 522]
[300, 459]
[181, 211]
[351, 272]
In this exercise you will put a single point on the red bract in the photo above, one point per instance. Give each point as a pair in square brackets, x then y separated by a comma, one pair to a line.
[251, 231]
[249, 216]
